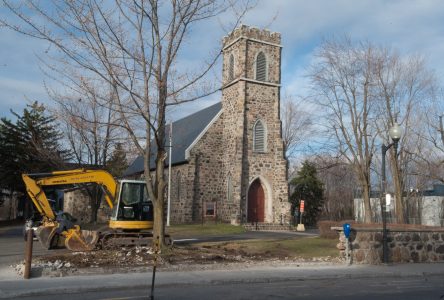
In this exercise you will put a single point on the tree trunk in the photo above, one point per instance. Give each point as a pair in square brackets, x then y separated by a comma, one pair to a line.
[367, 204]
[159, 226]
[95, 199]
[159, 201]
[365, 185]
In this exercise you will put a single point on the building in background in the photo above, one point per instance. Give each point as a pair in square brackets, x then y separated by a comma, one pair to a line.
[422, 207]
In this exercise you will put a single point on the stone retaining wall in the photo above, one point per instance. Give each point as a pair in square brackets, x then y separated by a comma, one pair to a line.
[425, 245]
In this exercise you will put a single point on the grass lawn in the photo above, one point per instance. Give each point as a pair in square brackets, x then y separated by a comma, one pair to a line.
[206, 229]
[303, 247]
[307, 247]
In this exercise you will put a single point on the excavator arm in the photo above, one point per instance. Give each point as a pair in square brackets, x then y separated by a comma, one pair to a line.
[38, 196]
[75, 239]
[102, 178]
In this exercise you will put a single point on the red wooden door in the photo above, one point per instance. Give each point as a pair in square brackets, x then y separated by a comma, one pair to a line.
[256, 202]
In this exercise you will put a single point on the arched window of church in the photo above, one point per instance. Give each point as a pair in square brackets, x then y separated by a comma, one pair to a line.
[259, 137]
[229, 188]
[231, 68]
[261, 67]
[178, 185]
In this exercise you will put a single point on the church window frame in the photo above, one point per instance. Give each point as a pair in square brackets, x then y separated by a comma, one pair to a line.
[259, 136]
[231, 63]
[210, 209]
[261, 66]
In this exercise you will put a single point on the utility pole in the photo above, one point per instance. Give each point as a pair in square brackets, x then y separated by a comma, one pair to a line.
[441, 129]
[169, 173]
[395, 135]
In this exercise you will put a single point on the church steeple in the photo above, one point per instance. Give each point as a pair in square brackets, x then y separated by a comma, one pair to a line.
[253, 147]
[251, 54]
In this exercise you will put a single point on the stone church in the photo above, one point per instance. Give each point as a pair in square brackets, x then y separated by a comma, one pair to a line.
[228, 160]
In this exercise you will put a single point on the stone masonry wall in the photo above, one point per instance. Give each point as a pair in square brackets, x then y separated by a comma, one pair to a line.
[249, 40]
[8, 205]
[233, 140]
[244, 102]
[270, 166]
[207, 174]
[76, 203]
[404, 246]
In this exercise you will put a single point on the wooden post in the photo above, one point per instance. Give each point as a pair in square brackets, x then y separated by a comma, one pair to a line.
[156, 254]
[28, 253]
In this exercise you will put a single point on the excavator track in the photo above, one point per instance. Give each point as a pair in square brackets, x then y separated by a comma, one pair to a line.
[76, 239]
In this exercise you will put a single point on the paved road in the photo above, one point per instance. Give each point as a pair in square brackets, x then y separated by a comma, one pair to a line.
[364, 289]
[12, 246]
[312, 281]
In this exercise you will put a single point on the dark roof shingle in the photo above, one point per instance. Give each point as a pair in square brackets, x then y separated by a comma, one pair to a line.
[185, 132]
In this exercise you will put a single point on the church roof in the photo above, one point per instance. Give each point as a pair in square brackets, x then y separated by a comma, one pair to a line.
[185, 132]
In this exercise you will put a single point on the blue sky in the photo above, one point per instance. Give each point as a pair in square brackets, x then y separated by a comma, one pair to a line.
[412, 27]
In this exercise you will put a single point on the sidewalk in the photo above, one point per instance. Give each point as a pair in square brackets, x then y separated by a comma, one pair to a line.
[11, 286]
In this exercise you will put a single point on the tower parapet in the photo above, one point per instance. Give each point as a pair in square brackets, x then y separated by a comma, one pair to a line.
[254, 33]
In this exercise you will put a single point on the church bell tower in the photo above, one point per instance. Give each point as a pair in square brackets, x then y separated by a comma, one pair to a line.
[254, 161]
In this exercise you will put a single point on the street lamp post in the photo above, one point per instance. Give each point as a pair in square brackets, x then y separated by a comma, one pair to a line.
[441, 128]
[395, 135]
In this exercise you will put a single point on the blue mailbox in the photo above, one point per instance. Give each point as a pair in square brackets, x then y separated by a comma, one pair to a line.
[347, 230]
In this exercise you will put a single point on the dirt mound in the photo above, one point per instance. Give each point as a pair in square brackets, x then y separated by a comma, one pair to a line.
[170, 258]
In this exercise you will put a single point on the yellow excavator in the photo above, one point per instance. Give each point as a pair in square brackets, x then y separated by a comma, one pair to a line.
[131, 218]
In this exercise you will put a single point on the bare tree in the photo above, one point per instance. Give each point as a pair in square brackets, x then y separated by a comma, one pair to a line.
[342, 79]
[365, 89]
[134, 46]
[339, 187]
[297, 124]
[430, 158]
[90, 129]
[404, 85]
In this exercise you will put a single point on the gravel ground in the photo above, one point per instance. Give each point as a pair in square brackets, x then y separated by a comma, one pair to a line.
[219, 256]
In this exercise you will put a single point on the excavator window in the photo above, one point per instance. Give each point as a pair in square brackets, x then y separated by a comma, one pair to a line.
[135, 204]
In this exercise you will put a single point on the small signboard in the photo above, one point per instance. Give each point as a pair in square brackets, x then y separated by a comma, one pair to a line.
[301, 208]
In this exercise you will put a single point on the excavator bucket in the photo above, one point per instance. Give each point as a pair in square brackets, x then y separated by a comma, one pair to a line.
[45, 235]
[81, 240]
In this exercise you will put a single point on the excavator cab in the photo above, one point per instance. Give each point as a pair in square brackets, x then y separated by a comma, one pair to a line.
[132, 209]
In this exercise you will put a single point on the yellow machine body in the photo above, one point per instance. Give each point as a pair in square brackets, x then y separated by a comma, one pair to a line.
[131, 209]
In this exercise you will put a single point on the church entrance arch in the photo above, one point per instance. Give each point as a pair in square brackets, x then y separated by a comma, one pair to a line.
[256, 202]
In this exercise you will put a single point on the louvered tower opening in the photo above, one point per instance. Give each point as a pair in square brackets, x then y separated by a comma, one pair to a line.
[261, 67]
[231, 68]
[259, 137]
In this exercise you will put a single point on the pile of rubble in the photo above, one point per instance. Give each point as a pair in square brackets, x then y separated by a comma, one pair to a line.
[173, 258]
[47, 268]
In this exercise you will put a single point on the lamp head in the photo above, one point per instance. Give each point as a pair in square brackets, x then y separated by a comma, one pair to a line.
[395, 132]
